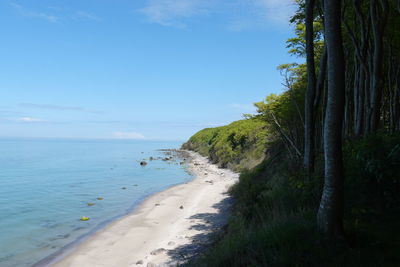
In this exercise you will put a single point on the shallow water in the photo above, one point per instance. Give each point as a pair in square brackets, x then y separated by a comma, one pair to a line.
[46, 185]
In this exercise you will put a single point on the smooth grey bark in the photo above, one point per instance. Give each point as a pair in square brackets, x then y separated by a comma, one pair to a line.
[321, 78]
[330, 213]
[319, 102]
[393, 89]
[359, 102]
[397, 106]
[378, 11]
[349, 100]
[309, 112]
[360, 40]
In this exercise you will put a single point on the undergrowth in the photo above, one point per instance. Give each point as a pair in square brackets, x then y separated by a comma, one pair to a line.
[273, 222]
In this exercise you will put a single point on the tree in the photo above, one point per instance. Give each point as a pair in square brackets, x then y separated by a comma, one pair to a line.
[379, 13]
[309, 112]
[330, 213]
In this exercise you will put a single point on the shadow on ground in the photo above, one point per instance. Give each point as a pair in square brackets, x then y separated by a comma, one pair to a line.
[208, 224]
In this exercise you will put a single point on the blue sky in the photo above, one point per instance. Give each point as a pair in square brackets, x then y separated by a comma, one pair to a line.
[140, 69]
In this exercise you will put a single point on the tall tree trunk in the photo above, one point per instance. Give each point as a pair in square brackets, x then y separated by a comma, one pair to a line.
[360, 39]
[348, 125]
[359, 126]
[319, 101]
[321, 78]
[378, 10]
[309, 112]
[397, 105]
[396, 97]
[330, 213]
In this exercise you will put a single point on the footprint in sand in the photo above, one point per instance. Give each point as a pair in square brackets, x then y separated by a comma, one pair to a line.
[158, 251]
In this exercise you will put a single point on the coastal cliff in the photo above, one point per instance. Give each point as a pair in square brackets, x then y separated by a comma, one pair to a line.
[238, 146]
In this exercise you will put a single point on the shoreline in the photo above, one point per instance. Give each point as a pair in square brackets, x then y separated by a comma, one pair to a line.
[165, 229]
[71, 246]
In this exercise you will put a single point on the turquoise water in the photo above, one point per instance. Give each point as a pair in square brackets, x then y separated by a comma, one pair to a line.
[45, 186]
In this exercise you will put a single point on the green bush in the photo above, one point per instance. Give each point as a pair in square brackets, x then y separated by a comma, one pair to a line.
[238, 146]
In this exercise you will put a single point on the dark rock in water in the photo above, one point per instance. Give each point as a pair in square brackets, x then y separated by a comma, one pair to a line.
[139, 262]
[123, 188]
[143, 163]
[151, 158]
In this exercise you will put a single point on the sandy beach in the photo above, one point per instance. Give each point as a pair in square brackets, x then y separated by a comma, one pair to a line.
[167, 228]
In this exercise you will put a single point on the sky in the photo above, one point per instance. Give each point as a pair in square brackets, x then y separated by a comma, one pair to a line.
[136, 69]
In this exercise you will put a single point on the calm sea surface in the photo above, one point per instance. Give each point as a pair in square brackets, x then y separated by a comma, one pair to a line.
[46, 185]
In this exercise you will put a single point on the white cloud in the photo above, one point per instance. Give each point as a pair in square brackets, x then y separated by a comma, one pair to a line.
[275, 10]
[170, 12]
[239, 14]
[61, 14]
[57, 107]
[86, 16]
[262, 14]
[32, 14]
[28, 119]
[128, 135]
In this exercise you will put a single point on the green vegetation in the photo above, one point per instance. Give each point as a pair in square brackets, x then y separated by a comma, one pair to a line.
[327, 191]
[238, 146]
[273, 220]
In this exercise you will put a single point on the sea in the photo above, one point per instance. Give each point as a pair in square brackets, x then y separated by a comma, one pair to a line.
[48, 185]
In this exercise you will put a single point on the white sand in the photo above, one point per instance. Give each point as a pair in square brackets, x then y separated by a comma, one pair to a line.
[159, 232]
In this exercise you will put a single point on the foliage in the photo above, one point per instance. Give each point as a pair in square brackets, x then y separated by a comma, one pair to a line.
[273, 223]
[297, 44]
[239, 145]
[283, 113]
